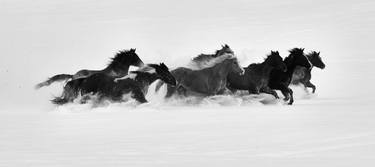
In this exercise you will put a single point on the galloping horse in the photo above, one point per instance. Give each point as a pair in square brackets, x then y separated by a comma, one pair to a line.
[303, 75]
[257, 75]
[280, 80]
[118, 67]
[209, 81]
[108, 87]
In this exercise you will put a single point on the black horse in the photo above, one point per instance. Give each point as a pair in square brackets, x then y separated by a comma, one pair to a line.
[257, 75]
[280, 80]
[108, 87]
[118, 67]
[302, 75]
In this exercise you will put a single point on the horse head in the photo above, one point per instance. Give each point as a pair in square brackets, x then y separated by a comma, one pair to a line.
[297, 57]
[163, 73]
[316, 60]
[128, 57]
[233, 65]
[225, 49]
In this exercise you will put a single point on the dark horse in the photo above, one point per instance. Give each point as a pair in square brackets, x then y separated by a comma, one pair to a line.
[280, 80]
[108, 87]
[303, 75]
[118, 67]
[257, 75]
[209, 81]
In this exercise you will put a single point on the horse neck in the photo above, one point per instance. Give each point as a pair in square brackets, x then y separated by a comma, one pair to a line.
[146, 78]
[310, 58]
[221, 69]
[290, 68]
[266, 68]
[117, 70]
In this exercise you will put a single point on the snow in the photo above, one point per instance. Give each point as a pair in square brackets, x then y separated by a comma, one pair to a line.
[334, 127]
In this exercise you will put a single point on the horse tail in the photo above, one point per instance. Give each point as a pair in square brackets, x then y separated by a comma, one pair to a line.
[56, 78]
[158, 85]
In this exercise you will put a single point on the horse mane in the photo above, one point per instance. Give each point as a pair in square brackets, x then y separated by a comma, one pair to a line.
[211, 62]
[207, 57]
[204, 57]
[292, 53]
[119, 56]
[264, 60]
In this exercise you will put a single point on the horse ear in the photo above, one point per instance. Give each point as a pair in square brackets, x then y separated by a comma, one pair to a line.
[277, 52]
[319, 53]
[163, 66]
[132, 49]
[226, 46]
[303, 49]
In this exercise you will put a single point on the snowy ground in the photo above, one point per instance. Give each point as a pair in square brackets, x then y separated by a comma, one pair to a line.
[334, 127]
[319, 130]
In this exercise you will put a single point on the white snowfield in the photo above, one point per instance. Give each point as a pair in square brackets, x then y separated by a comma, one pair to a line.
[333, 128]
[318, 130]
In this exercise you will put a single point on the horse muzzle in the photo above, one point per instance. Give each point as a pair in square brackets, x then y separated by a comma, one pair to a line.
[141, 64]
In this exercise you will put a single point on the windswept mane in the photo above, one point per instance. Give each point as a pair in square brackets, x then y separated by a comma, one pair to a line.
[211, 62]
[296, 51]
[206, 57]
[121, 55]
[269, 56]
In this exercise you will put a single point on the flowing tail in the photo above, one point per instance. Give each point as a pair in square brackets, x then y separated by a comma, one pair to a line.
[56, 78]
[158, 85]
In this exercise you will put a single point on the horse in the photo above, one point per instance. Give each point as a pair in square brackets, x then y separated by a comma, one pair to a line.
[112, 88]
[118, 67]
[257, 75]
[280, 80]
[209, 81]
[302, 75]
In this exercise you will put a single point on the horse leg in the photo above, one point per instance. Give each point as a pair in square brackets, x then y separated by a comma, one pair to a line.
[84, 99]
[288, 93]
[181, 91]
[268, 90]
[285, 91]
[68, 95]
[138, 95]
[170, 91]
[310, 85]
[253, 91]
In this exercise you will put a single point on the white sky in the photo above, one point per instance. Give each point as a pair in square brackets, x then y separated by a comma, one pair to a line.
[40, 38]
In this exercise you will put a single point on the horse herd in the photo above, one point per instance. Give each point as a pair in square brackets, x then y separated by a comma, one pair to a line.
[206, 75]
